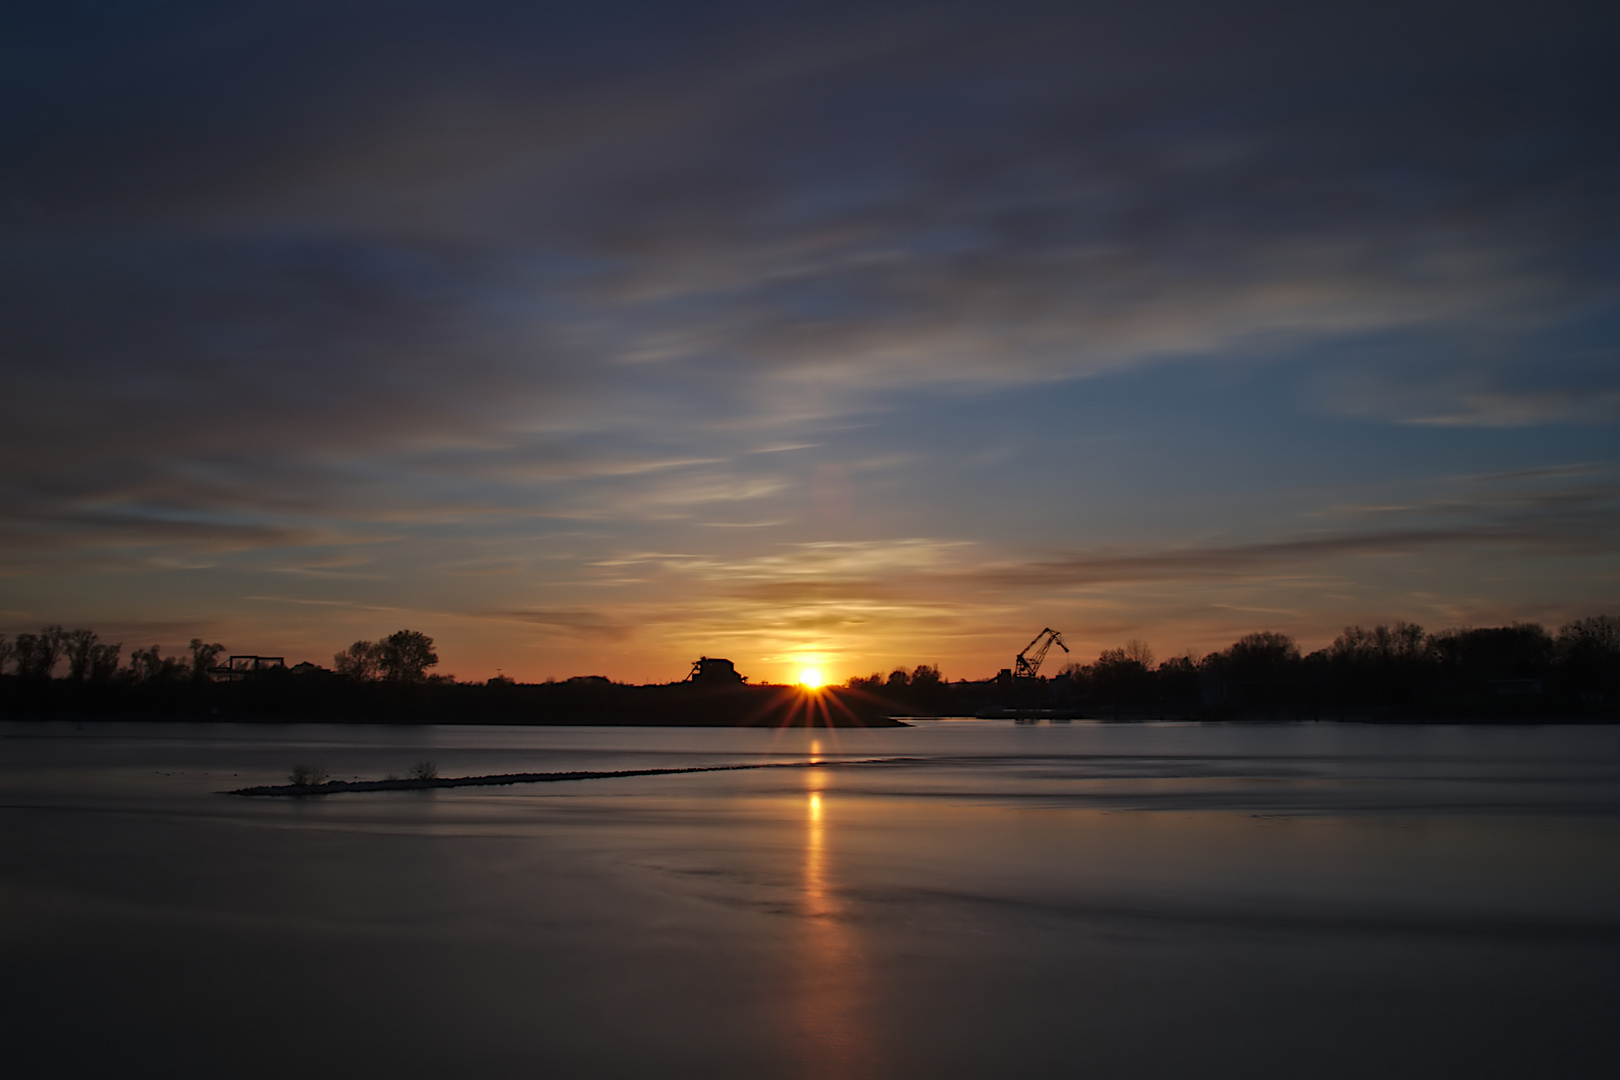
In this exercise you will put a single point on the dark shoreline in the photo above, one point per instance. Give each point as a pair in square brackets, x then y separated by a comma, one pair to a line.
[280, 697]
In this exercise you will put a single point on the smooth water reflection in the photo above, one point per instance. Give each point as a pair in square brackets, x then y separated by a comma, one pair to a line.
[1124, 900]
[838, 1013]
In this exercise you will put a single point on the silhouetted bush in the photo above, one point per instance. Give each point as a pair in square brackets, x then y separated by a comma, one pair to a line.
[307, 775]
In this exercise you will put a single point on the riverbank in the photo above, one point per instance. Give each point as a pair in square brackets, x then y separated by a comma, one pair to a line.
[282, 697]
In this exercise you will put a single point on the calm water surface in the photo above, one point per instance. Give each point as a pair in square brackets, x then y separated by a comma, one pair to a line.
[1153, 900]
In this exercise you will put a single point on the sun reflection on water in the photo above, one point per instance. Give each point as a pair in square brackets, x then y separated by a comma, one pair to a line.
[836, 1004]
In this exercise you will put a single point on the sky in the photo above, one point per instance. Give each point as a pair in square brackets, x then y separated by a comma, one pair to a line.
[592, 338]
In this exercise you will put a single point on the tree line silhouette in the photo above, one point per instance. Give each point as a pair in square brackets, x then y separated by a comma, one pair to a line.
[384, 681]
[89, 659]
[1391, 671]
[72, 672]
[403, 656]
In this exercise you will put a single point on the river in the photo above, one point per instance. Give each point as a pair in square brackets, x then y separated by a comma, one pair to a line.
[1052, 899]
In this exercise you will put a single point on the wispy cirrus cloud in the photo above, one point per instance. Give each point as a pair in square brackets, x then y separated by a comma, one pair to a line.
[734, 282]
[574, 621]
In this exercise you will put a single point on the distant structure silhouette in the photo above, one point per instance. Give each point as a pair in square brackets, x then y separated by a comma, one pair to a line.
[239, 666]
[714, 671]
[1028, 664]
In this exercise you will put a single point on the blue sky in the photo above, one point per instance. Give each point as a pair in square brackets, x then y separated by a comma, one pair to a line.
[593, 339]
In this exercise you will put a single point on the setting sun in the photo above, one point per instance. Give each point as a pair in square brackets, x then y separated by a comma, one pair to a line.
[810, 678]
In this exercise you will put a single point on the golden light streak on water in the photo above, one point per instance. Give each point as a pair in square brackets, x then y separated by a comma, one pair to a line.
[836, 1004]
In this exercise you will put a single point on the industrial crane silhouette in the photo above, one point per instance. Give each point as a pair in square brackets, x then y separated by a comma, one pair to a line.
[1028, 666]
